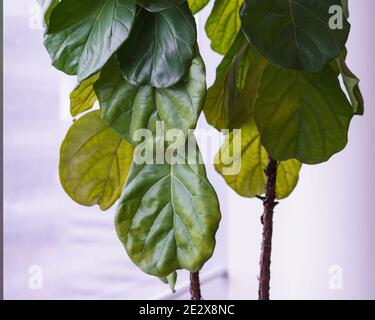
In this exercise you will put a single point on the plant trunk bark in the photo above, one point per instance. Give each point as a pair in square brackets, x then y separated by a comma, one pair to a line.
[195, 287]
[267, 220]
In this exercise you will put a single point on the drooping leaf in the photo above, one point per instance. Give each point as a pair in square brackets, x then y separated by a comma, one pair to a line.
[160, 48]
[83, 96]
[231, 97]
[223, 24]
[128, 108]
[294, 34]
[168, 215]
[304, 116]
[94, 162]
[171, 280]
[351, 83]
[83, 35]
[242, 161]
[197, 5]
[47, 8]
[158, 5]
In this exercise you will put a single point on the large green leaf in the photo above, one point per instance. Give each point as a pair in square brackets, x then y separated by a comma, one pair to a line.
[304, 116]
[160, 48]
[158, 5]
[83, 35]
[243, 169]
[223, 24]
[83, 96]
[94, 162]
[168, 216]
[294, 34]
[231, 97]
[128, 108]
[197, 5]
[47, 8]
[351, 83]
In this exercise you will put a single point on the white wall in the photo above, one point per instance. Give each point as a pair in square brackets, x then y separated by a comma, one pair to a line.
[329, 219]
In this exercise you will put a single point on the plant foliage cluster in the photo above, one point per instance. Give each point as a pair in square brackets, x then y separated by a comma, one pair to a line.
[278, 82]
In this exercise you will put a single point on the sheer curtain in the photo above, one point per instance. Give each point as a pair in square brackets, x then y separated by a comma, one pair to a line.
[74, 250]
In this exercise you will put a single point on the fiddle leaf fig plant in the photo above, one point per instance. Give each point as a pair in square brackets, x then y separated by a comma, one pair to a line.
[142, 88]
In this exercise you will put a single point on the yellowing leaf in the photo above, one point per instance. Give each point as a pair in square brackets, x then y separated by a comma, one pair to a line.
[230, 99]
[83, 96]
[243, 169]
[94, 162]
[197, 5]
[223, 24]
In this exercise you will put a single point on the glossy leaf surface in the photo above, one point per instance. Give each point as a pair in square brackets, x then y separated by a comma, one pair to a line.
[94, 162]
[83, 35]
[168, 216]
[160, 48]
[295, 34]
[128, 108]
[304, 116]
[158, 5]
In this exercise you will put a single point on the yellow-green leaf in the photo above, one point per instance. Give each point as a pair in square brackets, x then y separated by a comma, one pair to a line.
[242, 161]
[171, 280]
[223, 24]
[94, 162]
[197, 5]
[83, 96]
[230, 99]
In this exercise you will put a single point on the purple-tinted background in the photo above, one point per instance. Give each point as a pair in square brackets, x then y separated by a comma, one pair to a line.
[327, 223]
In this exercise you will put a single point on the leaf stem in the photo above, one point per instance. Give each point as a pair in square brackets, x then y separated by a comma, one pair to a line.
[269, 204]
[195, 288]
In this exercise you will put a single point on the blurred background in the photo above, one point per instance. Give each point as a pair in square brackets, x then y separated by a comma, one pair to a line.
[323, 245]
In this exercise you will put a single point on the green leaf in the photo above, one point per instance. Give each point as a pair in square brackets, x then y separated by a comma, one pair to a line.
[83, 35]
[223, 24]
[351, 83]
[168, 215]
[304, 116]
[230, 99]
[345, 7]
[158, 5]
[243, 169]
[128, 108]
[171, 280]
[94, 162]
[197, 5]
[160, 48]
[47, 8]
[83, 96]
[294, 34]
